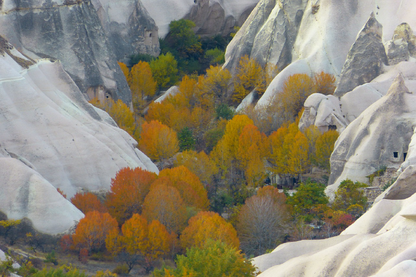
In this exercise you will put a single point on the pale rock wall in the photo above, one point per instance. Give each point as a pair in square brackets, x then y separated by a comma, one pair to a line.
[71, 32]
[51, 137]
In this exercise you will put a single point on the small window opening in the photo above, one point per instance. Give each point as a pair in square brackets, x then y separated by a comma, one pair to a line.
[396, 154]
[332, 127]
[404, 156]
[150, 35]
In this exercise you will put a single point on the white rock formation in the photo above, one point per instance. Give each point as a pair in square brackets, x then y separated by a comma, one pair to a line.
[51, 137]
[326, 32]
[380, 136]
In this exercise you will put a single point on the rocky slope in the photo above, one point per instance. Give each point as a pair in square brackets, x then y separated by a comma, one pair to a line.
[51, 137]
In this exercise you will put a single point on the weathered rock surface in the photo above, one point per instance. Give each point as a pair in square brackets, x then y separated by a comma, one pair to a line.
[24, 193]
[211, 16]
[380, 136]
[129, 27]
[326, 33]
[70, 31]
[51, 137]
[217, 17]
[365, 58]
[268, 35]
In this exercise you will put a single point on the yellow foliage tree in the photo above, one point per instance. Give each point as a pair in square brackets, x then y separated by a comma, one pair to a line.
[141, 84]
[158, 141]
[324, 83]
[216, 81]
[324, 147]
[124, 69]
[208, 226]
[298, 161]
[295, 91]
[247, 75]
[198, 163]
[121, 114]
[270, 71]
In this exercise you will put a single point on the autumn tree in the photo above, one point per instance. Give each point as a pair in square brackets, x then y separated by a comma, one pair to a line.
[141, 84]
[127, 192]
[158, 141]
[294, 93]
[198, 163]
[165, 204]
[324, 83]
[248, 73]
[216, 81]
[189, 186]
[93, 229]
[262, 221]
[139, 242]
[215, 259]
[267, 75]
[225, 152]
[164, 70]
[124, 69]
[120, 113]
[87, 202]
[312, 133]
[205, 226]
[299, 161]
[324, 147]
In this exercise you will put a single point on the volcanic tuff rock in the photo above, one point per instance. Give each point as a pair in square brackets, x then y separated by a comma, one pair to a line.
[402, 45]
[70, 31]
[380, 136]
[51, 137]
[268, 34]
[129, 27]
[214, 17]
[365, 58]
[211, 16]
[326, 33]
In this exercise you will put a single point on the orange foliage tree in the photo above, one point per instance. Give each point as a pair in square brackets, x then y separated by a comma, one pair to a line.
[127, 192]
[189, 186]
[139, 240]
[93, 229]
[164, 203]
[158, 141]
[208, 226]
[262, 221]
[87, 202]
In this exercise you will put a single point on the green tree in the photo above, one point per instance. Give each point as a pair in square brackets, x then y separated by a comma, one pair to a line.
[215, 259]
[307, 197]
[165, 70]
[183, 39]
[186, 139]
[350, 198]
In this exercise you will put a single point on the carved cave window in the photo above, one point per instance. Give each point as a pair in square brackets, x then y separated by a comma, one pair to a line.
[395, 154]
